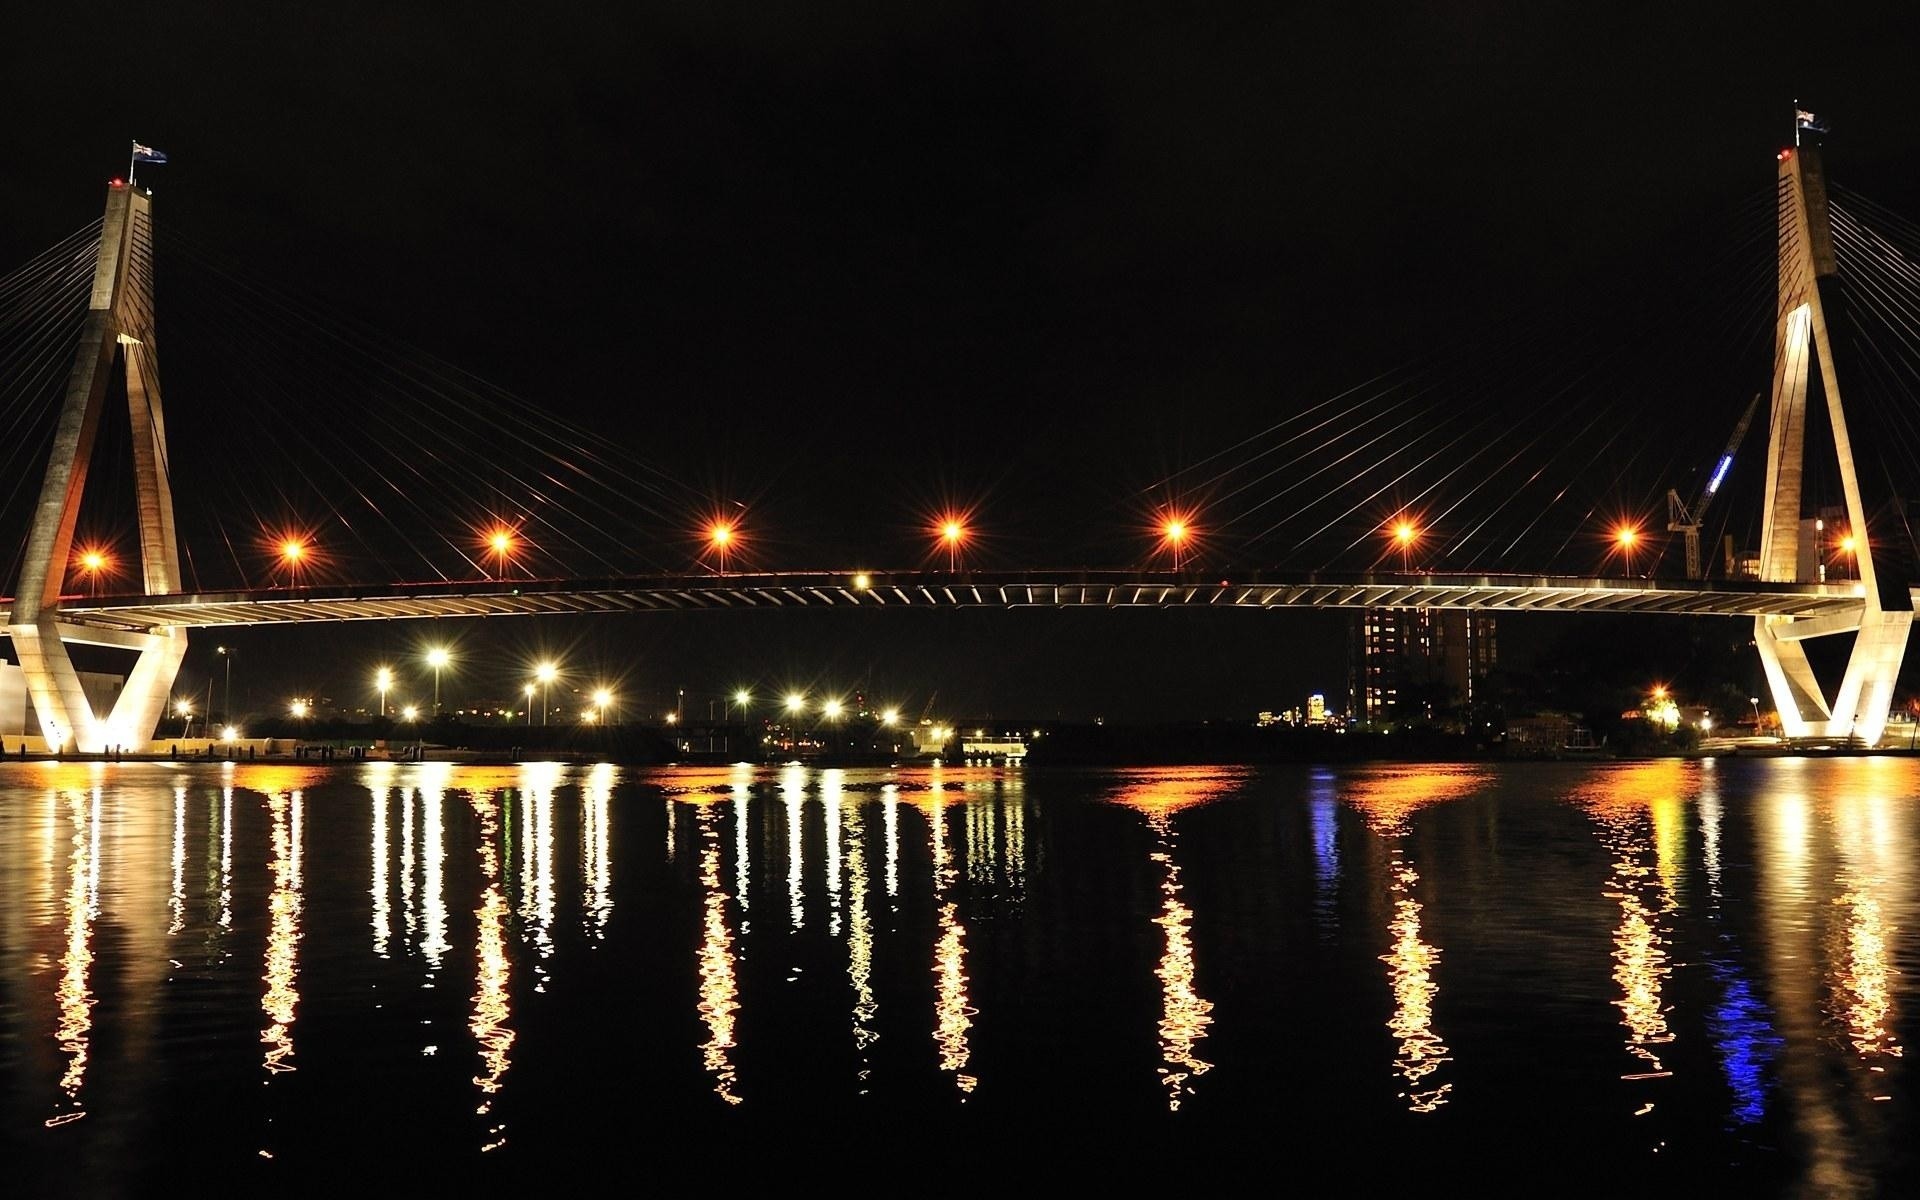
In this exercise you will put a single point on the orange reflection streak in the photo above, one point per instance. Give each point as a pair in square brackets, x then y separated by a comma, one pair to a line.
[1862, 968]
[1388, 799]
[831, 783]
[596, 875]
[952, 1015]
[1184, 1013]
[377, 888]
[492, 969]
[719, 995]
[433, 857]
[177, 897]
[860, 941]
[793, 782]
[742, 851]
[282, 996]
[1638, 812]
[536, 862]
[74, 992]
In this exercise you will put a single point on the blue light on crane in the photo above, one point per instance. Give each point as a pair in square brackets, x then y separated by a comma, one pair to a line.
[1719, 473]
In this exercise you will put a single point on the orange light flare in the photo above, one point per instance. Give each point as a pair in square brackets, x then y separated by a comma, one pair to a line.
[1626, 539]
[295, 554]
[93, 562]
[1177, 534]
[1404, 532]
[499, 542]
[722, 539]
[953, 532]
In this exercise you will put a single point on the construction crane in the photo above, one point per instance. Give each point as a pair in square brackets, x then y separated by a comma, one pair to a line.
[1687, 520]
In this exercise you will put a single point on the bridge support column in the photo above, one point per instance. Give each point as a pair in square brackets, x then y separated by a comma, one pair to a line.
[1808, 273]
[119, 321]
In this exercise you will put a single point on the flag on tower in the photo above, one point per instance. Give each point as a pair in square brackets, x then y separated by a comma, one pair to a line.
[1806, 120]
[147, 154]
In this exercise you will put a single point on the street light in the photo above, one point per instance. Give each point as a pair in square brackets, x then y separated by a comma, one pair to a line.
[720, 537]
[383, 683]
[410, 713]
[93, 561]
[831, 710]
[227, 653]
[953, 532]
[293, 553]
[1405, 534]
[300, 709]
[184, 710]
[1755, 701]
[546, 672]
[529, 691]
[1175, 532]
[603, 699]
[890, 717]
[1626, 537]
[437, 658]
[229, 733]
[500, 543]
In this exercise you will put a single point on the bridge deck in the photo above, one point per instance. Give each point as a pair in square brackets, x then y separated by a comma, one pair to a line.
[934, 589]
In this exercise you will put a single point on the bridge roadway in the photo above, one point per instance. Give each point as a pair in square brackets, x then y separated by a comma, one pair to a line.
[964, 589]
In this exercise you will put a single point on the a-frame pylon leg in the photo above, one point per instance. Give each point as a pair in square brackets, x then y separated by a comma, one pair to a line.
[120, 320]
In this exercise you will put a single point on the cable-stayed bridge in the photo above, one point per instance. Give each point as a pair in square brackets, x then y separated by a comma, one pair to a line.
[546, 518]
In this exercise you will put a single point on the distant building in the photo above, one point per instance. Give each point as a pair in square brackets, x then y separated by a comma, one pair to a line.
[1316, 709]
[1414, 664]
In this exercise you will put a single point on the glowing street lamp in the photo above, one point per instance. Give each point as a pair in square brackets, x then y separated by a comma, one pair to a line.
[1405, 534]
[953, 534]
[831, 710]
[300, 709]
[603, 699]
[498, 542]
[410, 713]
[546, 673]
[796, 703]
[93, 561]
[741, 699]
[229, 734]
[294, 553]
[1175, 531]
[383, 683]
[1626, 537]
[891, 717]
[720, 539]
[437, 658]
[184, 710]
[529, 693]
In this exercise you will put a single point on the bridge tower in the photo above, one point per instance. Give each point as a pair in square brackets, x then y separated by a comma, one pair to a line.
[119, 323]
[1809, 282]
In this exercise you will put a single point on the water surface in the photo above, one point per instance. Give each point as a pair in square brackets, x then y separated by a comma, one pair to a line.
[1593, 978]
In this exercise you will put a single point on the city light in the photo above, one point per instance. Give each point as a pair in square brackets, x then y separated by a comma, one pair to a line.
[602, 698]
[831, 710]
[890, 717]
[437, 658]
[383, 683]
[741, 697]
[293, 550]
[410, 713]
[1626, 537]
[546, 672]
[182, 708]
[1176, 532]
[93, 562]
[953, 532]
[862, 582]
[500, 542]
[228, 733]
[796, 702]
[1847, 544]
[300, 709]
[721, 536]
[673, 718]
[1405, 534]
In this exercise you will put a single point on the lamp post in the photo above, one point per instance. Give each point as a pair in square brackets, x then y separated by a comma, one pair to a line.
[546, 673]
[1755, 701]
[529, 694]
[184, 710]
[437, 658]
[383, 683]
[227, 653]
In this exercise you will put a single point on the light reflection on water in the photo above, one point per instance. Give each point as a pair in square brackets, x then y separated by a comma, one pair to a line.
[1745, 959]
[1389, 798]
[1184, 1013]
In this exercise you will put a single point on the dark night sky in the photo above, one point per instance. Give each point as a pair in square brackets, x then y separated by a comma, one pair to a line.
[859, 259]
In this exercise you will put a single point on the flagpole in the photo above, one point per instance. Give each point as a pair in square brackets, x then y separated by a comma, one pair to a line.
[133, 157]
[1796, 122]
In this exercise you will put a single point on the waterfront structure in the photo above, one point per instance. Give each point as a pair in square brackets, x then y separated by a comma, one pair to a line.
[1416, 664]
[1809, 278]
[119, 324]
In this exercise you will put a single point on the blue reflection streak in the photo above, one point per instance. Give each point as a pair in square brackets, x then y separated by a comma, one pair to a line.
[1323, 811]
[1742, 1031]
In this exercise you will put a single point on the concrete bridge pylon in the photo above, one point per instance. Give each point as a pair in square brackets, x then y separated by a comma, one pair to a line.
[1803, 354]
[119, 324]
